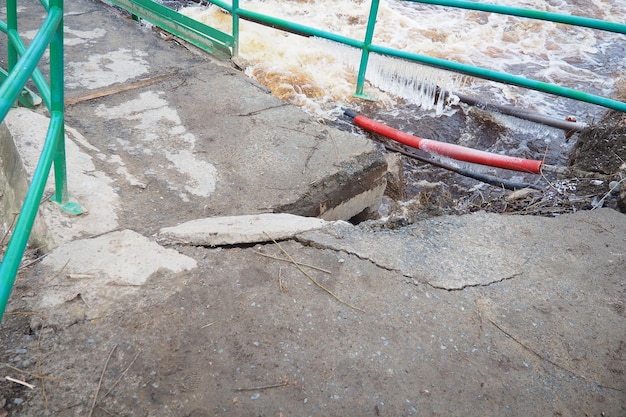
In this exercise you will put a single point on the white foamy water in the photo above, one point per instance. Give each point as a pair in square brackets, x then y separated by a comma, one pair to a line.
[321, 75]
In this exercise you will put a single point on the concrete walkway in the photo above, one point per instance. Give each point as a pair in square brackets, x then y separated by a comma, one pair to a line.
[207, 302]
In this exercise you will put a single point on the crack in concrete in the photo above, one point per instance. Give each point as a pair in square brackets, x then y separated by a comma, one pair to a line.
[484, 284]
[410, 279]
[415, 280]
[255, 112]
[315, 245]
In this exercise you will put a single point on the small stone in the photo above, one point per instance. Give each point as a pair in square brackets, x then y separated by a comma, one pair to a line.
[18, 401]
[614, 187]
[255, 396]
[35, 323]
[20, 351]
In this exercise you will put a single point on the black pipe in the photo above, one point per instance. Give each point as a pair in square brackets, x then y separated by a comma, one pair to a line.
[487, 179]
[566, 125]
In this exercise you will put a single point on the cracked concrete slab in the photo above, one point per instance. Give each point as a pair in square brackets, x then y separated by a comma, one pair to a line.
[103, 269]
[521, 315]
[208, 133]
[237, 230]
[455, 252]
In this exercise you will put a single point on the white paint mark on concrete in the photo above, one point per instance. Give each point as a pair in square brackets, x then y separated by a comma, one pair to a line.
[202, 175]
[73, 37]
[105, 70]
[118, 262]
[160, 131]
[123, 171]
[124, 256]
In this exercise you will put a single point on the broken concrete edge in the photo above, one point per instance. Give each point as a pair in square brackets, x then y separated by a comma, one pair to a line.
[14, 183]
[244, 229]
[20, 153]
[346, 193]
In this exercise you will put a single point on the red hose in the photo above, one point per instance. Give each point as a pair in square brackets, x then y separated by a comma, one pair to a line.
[460, 153]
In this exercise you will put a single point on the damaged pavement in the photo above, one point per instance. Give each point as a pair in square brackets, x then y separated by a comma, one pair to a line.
[194, 286]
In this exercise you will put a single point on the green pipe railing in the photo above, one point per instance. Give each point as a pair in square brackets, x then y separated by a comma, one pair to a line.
[531, 14]
[22, 67]
[367, 47]
[194, 32]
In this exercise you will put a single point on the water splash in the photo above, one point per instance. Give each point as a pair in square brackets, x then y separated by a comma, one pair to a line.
[573, 57]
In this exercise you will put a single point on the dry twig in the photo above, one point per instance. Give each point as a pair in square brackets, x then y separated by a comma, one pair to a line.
[120, 377]
[118, 89]
[543, 357]
[31, 262]
[297, 263]
[95, 397]
[615, 187]
[37, 376]
[280, 384]
[17, 381]
[43, 382]
[281, 284]
[332, 294]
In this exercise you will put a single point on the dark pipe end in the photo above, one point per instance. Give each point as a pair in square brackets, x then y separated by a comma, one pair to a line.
[349, 113]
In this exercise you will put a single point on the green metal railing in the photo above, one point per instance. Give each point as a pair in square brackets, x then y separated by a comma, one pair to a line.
[147, 8]
[22, 66]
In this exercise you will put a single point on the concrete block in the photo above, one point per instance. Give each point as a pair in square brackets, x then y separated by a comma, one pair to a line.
[233, 230]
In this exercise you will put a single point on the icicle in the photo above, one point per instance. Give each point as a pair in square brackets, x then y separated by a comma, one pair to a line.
[418, 84]
[424, 86]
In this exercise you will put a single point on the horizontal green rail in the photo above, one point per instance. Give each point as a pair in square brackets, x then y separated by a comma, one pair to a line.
[471, 70]
[531, 14]
[367, 46]
[194, 32]
[38, 78]
[503, 78]
[288, 26]
[50, 35]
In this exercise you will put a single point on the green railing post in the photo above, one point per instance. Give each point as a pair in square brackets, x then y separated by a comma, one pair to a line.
[11, 32]
[235, 16]
[50, 34]
[56, 106]
[365, 52]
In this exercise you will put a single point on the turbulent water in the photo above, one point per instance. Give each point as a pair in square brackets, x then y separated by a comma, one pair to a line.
[320, 75]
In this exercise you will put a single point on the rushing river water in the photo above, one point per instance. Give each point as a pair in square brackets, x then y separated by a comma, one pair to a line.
[320, 75]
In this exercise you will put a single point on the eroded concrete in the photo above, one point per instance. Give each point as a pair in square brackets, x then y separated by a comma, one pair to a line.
[455, 316]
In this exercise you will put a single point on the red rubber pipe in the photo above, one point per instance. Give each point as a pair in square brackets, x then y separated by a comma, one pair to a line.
[460, 153]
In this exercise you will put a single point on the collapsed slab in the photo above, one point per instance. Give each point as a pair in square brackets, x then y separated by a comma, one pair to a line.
[233, 230]
[213, 152]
